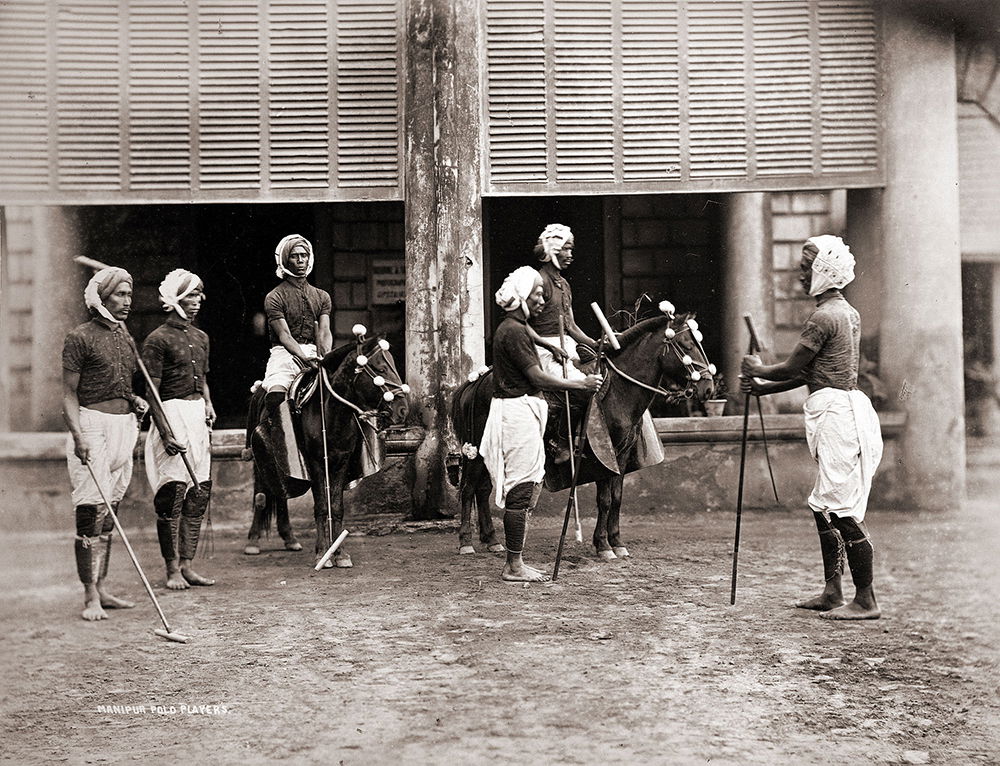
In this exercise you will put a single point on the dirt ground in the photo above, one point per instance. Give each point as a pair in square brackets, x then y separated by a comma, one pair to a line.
[418, 655]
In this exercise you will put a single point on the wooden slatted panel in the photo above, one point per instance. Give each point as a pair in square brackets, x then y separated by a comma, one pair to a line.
[515, 90]
[229, 95]
[368, 104]
[848, 85]
[717, 88]
[783, 97]
[650, 90]
[24, 154]
[299, 93]
[584, 91]
[159, 97]
[88, 96]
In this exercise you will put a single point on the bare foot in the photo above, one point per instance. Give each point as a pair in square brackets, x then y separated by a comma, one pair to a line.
[194, 578]
[176, 581]
[522, 573]
[824, 602]
[93, 612]
[853, 611]
[466, 550]
[251, 549]
[496, 548]
[113, 602]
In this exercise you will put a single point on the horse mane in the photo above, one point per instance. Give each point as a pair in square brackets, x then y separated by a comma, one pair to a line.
[336, 357]
[645, 327]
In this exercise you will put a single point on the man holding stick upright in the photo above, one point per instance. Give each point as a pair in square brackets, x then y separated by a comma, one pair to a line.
[842, 429]
[555, 331]
[176, 357]
[100, 409]
[512, 446]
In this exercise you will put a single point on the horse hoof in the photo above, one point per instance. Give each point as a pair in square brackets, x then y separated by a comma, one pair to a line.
[343, 562]
[496, 548]
[622, 552]
[251, 550]
[327, 564]
[293, 545]
[466, 550]
[607, 555]
[259, 501]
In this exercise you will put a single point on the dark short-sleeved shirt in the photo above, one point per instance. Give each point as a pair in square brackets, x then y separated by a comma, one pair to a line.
[833, 331]
[558, 302]
[513, 354]
[176, 352]
[301, 305]
[103, 355]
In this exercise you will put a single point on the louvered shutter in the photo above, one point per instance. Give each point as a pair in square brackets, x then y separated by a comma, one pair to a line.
[665, 95]
[207, 100]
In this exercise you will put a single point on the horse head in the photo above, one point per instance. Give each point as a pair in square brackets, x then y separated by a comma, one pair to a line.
[365, 374]
[674, 342]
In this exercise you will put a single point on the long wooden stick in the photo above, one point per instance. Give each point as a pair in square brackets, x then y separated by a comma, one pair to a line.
[755, 348]
[743, 462]
[569, 428]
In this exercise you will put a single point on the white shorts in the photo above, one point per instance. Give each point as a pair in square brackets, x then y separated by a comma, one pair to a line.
[282, 367]
[553, 366]
[187, 420]
[112, 441]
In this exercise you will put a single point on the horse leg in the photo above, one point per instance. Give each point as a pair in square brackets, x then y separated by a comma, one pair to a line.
[614, 517]
[259, 524]
[467, 493]
[324, 533]
[285, 525]
[487, 532]
[604, 501]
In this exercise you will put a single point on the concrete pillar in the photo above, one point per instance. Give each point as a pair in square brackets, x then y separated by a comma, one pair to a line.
[443, 227]
[864, 237]
[56, 308]
[748, 282]
[995, 315]
[921, 318]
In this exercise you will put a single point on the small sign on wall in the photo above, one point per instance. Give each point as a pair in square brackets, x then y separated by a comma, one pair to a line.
[388, 281]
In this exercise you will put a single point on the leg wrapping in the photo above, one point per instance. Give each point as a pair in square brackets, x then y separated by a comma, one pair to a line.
[514, 525]
[168, 502]
[88, 527]
[860, 551]
[832, 547]
[191, 517]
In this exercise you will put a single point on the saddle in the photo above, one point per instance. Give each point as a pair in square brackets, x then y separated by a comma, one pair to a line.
[302, 389]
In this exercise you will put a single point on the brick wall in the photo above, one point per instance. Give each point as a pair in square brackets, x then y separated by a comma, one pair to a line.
[17, 315]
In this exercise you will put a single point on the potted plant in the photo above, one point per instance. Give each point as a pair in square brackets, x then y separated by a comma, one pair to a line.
[716, 406]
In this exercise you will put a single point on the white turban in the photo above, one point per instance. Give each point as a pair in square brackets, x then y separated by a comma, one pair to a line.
[100, 286]
[834, 264]
[516, 288]
[552, 240]
[284, 249]
[177, 285]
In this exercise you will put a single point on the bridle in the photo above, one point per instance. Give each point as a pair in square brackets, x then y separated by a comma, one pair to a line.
[363, 365]
[695, 369]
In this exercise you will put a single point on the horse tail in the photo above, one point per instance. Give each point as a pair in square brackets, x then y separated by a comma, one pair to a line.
[254, 407]
[470, 407]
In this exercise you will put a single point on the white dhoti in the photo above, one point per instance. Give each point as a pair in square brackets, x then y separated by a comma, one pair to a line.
[282, 367]
[112, 441]
[845, 439]
[187, 420]
[553, 366]
[512, 445]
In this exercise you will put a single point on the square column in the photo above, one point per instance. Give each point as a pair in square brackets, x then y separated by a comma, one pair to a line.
[921, 303]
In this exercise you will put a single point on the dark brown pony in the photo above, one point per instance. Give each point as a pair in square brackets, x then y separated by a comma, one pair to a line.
[355, 387]
[661, 356]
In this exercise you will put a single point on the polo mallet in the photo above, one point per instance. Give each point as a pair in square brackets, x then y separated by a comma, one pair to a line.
[326, 460]
[743, 462]
[165, 631]
[755, 343]
[610, 336]
[569, 428]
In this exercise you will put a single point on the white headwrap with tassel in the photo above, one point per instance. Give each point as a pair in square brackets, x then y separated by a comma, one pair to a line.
[100, 286]
[553, 237]
[176, 286]
[516, 288]
[284, 249]
[834, 264]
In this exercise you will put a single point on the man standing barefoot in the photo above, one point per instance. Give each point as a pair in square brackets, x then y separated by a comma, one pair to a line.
[176, 356]
[100, 409]
[512, 445]
[842, 428]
